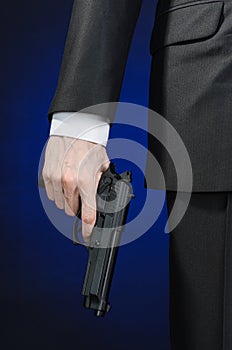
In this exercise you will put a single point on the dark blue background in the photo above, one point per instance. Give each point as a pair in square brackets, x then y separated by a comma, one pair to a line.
[41, 271]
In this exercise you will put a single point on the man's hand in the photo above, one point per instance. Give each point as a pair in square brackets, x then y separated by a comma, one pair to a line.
[72, 170]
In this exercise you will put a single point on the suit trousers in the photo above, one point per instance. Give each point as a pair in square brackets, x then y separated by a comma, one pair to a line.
[201, 273]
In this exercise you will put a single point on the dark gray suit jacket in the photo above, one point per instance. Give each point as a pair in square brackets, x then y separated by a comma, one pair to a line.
[190, 81]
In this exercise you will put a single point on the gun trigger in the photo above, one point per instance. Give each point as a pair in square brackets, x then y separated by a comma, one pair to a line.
[106, 183]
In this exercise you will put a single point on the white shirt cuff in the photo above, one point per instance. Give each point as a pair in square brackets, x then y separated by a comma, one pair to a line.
[84, 126]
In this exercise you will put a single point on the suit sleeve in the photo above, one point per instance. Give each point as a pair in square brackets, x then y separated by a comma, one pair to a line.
[95, 54]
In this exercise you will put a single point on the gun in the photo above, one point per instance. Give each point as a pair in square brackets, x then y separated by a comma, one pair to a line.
[113, 199]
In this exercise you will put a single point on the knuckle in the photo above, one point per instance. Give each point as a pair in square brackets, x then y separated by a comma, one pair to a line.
[88, 218]
[68, 181]
[45, 174]
[106, 165]
[56, 180]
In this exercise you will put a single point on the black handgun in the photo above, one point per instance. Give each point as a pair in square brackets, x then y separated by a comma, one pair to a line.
[113, 199]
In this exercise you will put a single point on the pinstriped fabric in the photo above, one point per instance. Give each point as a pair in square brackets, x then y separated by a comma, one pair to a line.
[190, 86]
[201, 273]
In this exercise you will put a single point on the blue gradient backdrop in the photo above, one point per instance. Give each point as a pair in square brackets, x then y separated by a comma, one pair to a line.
[41, 271]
